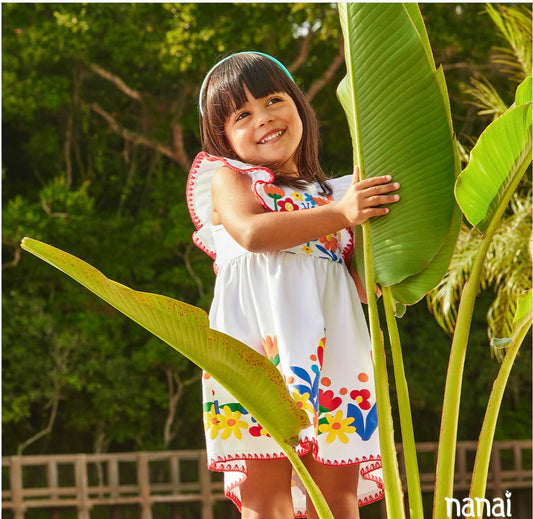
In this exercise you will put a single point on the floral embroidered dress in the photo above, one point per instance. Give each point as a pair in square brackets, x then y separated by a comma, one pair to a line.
[300, 308]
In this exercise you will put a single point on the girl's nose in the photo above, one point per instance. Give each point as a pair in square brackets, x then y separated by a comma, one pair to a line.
[264, 117]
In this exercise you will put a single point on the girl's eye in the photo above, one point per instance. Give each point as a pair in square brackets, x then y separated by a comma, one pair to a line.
[274, 100]
[241, 115]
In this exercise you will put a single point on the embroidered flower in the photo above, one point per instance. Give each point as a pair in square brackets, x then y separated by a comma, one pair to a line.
[322, 201]
[337, 427]
[296, 196]
[365, 426]
[311, 382]
[229, 423]
[309, 200]
[320, 351]
[287, 205]
[274, 192]
[211, 422]
[257, 431]
[270, 345]
[328, 401]
[361, 398]
[307, 249]
[302, 401]
[330, 241]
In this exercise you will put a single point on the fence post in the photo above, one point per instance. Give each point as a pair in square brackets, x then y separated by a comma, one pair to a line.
[205, 485]
[113, 477]
[53, 483]
[143, 478]
[15, 480]
[82, 487]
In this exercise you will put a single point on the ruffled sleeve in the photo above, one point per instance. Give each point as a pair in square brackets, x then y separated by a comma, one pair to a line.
[198, 193]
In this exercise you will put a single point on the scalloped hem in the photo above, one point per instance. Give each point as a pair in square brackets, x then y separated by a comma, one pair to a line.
[370, 465]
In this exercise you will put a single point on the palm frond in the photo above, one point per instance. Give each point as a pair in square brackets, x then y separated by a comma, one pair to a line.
[444, 299]
[507, 271]
[514, 23]
[486, 97]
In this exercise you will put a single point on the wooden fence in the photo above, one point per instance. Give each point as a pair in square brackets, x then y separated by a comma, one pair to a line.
[144, 479]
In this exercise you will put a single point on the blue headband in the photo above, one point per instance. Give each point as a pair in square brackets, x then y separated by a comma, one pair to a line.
[278, 63]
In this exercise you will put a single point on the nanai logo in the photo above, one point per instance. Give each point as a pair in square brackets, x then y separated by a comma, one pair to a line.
[475, 507]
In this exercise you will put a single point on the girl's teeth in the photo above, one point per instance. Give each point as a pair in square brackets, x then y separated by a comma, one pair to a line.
[268, 139]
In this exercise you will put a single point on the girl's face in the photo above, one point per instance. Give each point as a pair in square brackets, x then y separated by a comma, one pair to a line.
[266, 131]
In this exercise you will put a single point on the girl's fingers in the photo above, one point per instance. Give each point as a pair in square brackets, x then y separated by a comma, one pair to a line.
[375, 181]
[381, 200]
[374, 212]
[381, 189]
[355, 176]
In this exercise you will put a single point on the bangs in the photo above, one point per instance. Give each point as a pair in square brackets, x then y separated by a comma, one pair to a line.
[226, 91]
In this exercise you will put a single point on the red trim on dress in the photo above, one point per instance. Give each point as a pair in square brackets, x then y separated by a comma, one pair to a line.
[306, 445]
[191, 184]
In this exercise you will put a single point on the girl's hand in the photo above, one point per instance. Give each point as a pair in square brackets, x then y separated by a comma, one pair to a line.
[236, 207]
[364, 198]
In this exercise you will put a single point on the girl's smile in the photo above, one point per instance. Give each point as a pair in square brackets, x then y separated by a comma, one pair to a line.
[266, 131]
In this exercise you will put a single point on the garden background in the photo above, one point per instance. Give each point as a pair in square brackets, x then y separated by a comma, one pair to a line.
[99, 126]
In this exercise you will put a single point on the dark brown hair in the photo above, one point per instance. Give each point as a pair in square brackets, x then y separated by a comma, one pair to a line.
[224, 93]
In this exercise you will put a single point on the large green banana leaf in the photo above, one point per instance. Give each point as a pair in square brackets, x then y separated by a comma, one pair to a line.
[398, 112]
[252, 379]
[497, 163]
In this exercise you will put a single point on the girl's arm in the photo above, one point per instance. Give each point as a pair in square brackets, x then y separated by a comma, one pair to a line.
[236, 207]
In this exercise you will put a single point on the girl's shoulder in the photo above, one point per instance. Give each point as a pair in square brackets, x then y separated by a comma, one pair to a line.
[198, 192]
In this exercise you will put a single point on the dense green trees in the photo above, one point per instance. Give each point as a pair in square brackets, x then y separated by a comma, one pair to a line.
[99, 127]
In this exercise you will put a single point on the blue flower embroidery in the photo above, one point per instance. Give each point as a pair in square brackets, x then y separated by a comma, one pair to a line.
[309, 201]
[312, 383]
[364, 428]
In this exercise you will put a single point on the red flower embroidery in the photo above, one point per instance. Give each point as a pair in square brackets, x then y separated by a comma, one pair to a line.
[330, 241]
[327, 400]
[320, 351]
[287, 205]
[257, 430]
[361, 397]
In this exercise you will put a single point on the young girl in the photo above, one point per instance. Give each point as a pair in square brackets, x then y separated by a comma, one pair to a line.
[280, 233]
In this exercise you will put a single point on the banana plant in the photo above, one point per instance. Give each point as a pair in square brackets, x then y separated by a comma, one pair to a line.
[521, 324]
[483, 190]
[398, 112]
[252, 379]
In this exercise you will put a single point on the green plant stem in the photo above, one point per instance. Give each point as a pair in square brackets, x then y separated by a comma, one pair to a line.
[444, 477]
[452, 392]
[389, 458]
[486, 437]
[319, 502]
[404, 407]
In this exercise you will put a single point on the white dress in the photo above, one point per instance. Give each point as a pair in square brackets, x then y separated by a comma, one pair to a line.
[300, 308]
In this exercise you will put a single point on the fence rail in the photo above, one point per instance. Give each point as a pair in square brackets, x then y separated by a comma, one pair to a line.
[85, 481]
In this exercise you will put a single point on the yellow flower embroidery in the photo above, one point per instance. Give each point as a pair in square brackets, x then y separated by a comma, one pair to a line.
[302, 401]
[211, 422]
[337, 427]
[296, 196]
[307, 249]
[229, 423]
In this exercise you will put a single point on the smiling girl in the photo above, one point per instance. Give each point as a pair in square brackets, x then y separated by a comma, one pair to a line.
[279, 231]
